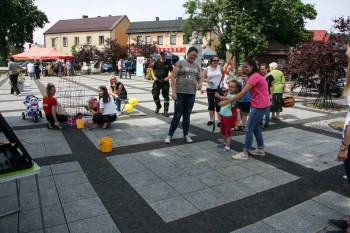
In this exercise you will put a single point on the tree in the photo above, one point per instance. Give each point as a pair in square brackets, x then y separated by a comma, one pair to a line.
[248, 25]
[324, 59]
[19, 18]
[113, 51]
[141, 48]
[342, 25]
[73, 50]
[88, 53]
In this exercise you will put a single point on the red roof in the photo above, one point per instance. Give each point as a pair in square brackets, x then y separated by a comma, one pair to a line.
[41, 54]
[86, 24]
[319, 35]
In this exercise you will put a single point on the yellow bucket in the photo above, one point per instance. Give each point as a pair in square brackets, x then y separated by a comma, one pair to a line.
[79, 123]
[106, 144]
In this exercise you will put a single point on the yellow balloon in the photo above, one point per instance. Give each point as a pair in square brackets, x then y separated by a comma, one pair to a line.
[133, 102]
[129, 108]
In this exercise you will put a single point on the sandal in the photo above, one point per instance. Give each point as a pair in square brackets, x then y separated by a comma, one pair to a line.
[237, 128]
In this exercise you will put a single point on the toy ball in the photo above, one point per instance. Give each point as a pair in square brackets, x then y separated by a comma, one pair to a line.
[133, 102]
[129, 108]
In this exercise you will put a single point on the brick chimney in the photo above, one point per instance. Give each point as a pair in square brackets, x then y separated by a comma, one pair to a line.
[85, 17]
[157, 18]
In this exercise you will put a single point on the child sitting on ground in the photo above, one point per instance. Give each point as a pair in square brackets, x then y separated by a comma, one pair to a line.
[226, 117]
[92, 106]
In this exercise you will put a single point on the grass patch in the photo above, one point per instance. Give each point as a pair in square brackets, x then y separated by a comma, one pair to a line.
[337, 125]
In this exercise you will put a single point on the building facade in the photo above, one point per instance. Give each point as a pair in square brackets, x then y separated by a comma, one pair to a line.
[91, 31]
[166, 34]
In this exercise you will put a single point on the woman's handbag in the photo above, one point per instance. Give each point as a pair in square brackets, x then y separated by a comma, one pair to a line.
[288, 101]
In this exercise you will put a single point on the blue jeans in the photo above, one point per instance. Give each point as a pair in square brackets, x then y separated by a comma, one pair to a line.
[255, 117]
[118, 100]
[267, 116]
[347, 162]
[182, 107]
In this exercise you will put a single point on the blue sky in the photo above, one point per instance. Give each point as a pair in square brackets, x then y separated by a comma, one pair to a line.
[147, 10]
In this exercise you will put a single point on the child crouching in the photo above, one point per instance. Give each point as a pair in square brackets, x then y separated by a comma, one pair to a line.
[226, 117]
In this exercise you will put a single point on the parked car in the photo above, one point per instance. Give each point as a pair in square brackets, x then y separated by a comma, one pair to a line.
[107, 68]
[335, 88]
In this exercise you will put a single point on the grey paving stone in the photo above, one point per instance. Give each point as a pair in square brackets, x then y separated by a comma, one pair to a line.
[9, 223]
[98, 224]
[233, 190]
[156, 192]
[70, 178]
[29, 185]
[236, 172]
[65, 168]
[8, 203]
[195, 168]
[30, 200]
[219, 163]
[315, 212]
[82, 209]
[75, 192]
[126, 164]
[258, 183]
[7, 188]
[178, 159]
[186, 184]
[142, 178]
[334, 201]
[205, 199]
[285, 222]
[188, 148]
[279, 176]
[30, 220]
[170, 173]
[160, 162]
[173, 208]
[258, 227]
[213, 178]
[257, 166]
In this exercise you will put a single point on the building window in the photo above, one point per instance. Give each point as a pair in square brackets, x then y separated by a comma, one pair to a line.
[101, 40]
[148, 40]
[139, 40]
[185, 39]
[88, 40]
[76, 41]
[173, 39]
[54, 42]
[160, 40]
[65, 42]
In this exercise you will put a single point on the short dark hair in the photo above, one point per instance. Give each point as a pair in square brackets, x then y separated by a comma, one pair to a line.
[212, 58]
[192, 49]
[12, 59]
[252, 63]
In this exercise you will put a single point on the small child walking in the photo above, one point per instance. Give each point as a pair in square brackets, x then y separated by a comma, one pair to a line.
[226, 117]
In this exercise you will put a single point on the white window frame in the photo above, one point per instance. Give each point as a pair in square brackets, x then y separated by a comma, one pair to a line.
[101, 40]
[88, 40]
[172, 38]
[65, 41]
[160, 42]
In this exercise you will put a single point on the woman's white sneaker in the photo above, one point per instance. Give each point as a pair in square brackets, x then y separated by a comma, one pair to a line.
[167, 139]
[240, 156]
[188, 139]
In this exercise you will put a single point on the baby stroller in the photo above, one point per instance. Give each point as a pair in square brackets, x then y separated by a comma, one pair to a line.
[33, 111]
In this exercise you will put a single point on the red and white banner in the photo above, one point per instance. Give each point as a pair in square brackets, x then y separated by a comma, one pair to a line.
[173, 50]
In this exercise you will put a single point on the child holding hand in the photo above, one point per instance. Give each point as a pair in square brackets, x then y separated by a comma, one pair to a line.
[226, 117]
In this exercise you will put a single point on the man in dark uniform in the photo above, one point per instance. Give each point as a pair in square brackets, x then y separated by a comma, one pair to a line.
[161, 76]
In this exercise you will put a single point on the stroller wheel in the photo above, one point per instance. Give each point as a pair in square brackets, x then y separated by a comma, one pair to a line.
[23, 116]
[35, 118]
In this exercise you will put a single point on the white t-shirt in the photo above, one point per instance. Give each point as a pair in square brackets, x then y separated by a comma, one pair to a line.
[108, 108]
[30, 67]
[214, 76]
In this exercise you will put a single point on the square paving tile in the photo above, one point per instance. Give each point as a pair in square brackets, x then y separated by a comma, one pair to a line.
[103, 223]
[156, 192]
[205, 199]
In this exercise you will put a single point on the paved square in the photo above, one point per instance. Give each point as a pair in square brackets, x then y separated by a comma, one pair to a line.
[194, 178]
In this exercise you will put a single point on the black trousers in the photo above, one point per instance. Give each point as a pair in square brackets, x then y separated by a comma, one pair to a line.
[60, 118]
[13, 81]
[100, 119]
[164, 87]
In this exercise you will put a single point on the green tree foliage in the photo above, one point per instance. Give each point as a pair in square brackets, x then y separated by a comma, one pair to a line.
[113, 51]
[203, 16]
[141, 48]
[88, 53]
[248, 25]
[19, 18]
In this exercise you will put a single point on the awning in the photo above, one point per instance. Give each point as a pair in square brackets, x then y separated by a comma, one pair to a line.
[41, 54]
